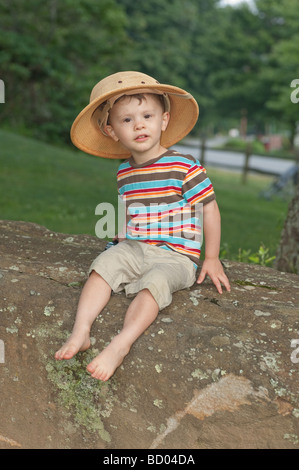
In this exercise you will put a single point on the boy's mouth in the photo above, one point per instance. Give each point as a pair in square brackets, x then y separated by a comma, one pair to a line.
[141, 138]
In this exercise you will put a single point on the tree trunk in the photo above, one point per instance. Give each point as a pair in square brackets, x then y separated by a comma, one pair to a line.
[287, 257]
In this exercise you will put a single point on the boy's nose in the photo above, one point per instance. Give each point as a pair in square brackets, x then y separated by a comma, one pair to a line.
[139, 124]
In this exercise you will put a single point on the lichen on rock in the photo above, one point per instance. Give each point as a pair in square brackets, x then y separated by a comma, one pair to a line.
[87, 399]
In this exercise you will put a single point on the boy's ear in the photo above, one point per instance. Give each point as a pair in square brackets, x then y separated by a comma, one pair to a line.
[109, 131]
[165, 120]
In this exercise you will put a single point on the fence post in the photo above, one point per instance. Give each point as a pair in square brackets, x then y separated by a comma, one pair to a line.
[202, 149]
[248, 151]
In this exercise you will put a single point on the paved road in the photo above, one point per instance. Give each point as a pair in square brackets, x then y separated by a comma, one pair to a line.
[235, 161]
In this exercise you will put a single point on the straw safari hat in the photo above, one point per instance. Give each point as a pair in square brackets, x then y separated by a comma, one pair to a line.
[87, 132]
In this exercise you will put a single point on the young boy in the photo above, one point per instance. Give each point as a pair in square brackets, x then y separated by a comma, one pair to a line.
[132, 115]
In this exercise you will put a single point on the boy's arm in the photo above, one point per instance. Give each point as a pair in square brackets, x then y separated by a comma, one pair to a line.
[212, 233]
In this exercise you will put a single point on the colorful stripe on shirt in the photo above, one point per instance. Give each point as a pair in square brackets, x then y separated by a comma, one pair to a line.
[164, 199]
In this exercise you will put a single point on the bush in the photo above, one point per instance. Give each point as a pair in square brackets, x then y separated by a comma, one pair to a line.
[241, 145]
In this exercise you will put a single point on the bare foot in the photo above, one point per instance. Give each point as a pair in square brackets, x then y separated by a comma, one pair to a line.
[103, 366]
[76, 342]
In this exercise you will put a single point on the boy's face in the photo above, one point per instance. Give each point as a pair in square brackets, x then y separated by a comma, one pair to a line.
[138, 124]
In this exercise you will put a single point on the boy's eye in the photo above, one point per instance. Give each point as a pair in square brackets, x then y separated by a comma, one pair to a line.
[127, 120]
[147, 116]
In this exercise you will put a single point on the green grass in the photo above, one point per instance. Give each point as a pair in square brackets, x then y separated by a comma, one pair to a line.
[60, 189]
[54, 187]
[248, 220]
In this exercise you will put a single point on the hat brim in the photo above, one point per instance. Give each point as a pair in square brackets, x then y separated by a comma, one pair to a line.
[89, 138]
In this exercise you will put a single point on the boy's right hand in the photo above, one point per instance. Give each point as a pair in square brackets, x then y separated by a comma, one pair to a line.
[213, 269]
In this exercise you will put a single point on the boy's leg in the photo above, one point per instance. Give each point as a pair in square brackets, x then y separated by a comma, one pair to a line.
[95, 295]
[140, 315]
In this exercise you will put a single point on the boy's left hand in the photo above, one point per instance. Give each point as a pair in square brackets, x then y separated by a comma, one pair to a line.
[213, 268]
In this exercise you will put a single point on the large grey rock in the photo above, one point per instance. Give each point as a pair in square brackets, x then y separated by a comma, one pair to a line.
[214, 371]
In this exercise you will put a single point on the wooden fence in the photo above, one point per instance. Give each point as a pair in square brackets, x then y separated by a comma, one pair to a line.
[203, 147]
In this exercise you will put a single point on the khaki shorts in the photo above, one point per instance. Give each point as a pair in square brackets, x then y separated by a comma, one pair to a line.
[132, 265]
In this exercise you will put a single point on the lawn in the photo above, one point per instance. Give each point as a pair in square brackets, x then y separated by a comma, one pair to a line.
[248, 220]
[60, 188]
[54, 187]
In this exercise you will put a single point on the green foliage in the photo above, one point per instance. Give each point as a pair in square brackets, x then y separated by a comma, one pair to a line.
[48, 65]
[235, 61]
[262, 256]
[281, 23]
[166, 40]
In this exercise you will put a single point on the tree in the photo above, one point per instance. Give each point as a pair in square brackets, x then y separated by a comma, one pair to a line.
[235, 61]
[281, 23]
[236, 51]
[51, 53]
[252, 62]
[287, 258]
[171, 40]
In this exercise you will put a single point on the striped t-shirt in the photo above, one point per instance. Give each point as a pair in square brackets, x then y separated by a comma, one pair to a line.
[164, 199]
